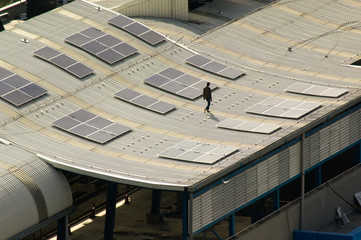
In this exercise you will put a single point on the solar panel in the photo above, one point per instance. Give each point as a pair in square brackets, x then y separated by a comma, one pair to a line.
[18, 90]
[190, 93]
[310, 89]
[214, 67]
[171, 73]
[127, 94]
[178, 83]
[63, 61]
[5, 88]
[17, 98]
[102, 45]
[144, 101]
[94, 47]
[256, 127]
[284, 108]
[33, 90]
[46, 53]
[120, 21]
[79, 70]
[198, 60]
[16, 81]
[197, 152]
[4, 73]
[90, 126]
[109, 40]
[92, 32]
[137, 29]
[152, 37]
[125, 49]
[161, 107]
[78, 39]
[156, 80]
[110, 56]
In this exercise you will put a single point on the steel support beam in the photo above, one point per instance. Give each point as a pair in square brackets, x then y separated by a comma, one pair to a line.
[276, 199]
[112, 192]
[156, 200]
[232, 225]
[63, 229]
[185, 215]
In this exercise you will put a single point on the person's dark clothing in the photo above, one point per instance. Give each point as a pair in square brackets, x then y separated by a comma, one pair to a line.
[207, 95]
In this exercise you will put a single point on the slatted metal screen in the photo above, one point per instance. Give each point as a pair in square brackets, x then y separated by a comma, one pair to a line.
[216, 203]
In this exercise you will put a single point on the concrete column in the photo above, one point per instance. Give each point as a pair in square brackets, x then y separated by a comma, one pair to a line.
[63, 229]
[232, 225]
[156, 200]
[185, 215]
[112, 192]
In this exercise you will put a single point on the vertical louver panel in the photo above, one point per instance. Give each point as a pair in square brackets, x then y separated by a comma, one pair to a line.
[218, 201]
[307, 152]
[207, 208]
[284, 165]
[355, 126]
[262, 175]
[240, 189]
[251, 175]
[314, 143]
[334, 137]
[273, 171]
[324, 143]
[229, 196]
[295, 160]
[197, 213]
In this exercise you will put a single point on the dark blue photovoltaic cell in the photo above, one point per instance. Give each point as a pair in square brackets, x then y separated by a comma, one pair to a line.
[120, 21]
[46, 53]
[136, 28]
[63, 61]
[156, 80]
[78, 39]
[82, 115]
[66, 123]
[109, 40]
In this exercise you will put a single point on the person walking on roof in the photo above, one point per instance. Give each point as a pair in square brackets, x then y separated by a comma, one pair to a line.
[207, 95]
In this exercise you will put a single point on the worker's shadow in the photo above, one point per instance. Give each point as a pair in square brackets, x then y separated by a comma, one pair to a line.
[213, 117]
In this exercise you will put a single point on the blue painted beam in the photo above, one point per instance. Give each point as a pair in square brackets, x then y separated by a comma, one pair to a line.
[185, 215]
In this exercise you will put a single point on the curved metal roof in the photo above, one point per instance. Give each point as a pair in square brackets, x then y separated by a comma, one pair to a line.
[308, 44]
[30, 191]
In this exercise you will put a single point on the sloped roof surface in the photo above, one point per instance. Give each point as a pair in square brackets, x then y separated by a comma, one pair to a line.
[283, 44]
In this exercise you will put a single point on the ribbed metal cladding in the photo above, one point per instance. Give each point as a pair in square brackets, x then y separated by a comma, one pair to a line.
[32, 187]
[275, 170]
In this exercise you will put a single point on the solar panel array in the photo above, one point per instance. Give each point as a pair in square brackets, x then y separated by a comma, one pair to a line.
[315, 90]
[192, 151]
[102, 45]
[284, 108]
[91, 126]
[137, 29]
[144, 101]
[247, 126]
[214, 67]
[18, 90]
[63, 61]
[178, 83]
